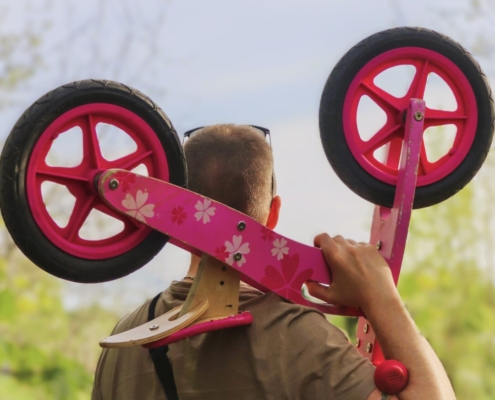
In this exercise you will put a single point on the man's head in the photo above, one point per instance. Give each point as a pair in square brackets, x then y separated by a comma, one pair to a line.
[233, 164]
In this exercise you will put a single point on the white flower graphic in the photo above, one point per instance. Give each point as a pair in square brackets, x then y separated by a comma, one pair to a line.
[137, 208]
[204, 211]
[236, 247]
[279, 250]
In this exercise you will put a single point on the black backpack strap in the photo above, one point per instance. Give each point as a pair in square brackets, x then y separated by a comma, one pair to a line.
[160, 360]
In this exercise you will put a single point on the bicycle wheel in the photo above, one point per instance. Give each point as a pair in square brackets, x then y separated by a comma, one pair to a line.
[363, 106]
[48, 173]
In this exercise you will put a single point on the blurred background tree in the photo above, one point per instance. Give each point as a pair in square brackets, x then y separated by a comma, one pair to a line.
[448, 287]
[449, 292]
[46, 352]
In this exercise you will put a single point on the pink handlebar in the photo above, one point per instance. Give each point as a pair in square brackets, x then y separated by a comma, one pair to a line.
[391, 377]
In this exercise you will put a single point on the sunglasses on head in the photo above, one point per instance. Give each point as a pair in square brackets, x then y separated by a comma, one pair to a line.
[265, 132]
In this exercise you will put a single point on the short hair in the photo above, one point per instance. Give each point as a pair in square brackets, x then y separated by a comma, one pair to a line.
[232, 164]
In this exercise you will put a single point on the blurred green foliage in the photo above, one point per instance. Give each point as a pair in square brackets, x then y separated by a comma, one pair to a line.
[448, 287]
[46, 352]
[449, 292]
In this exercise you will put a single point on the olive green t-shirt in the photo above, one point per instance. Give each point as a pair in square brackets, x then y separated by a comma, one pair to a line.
[288, 352]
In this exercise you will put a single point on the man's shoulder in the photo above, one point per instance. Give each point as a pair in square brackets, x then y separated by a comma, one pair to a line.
[135, 318]
[269, 309]
[265, 307]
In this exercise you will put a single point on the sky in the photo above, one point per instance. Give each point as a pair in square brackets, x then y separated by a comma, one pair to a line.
[245, 62]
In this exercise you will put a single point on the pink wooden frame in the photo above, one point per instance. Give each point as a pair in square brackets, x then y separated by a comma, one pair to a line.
[264, 258]
[390, 226]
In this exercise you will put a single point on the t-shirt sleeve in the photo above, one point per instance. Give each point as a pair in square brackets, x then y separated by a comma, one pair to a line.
[320, 363]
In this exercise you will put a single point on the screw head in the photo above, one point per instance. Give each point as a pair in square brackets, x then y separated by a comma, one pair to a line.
[358, 342]
[241, 226]
[368, 348]
[379, 245]
[418, 116]
[113, 184]
[365, 328]
[237, 256]
[154, 327]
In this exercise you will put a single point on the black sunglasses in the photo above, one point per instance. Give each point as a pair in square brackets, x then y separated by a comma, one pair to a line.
[264, 131]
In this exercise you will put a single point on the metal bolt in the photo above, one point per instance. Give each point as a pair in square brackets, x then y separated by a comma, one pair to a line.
[154, 327]
[366, 328]
[368, 348]
[358, 342]
[237, 256]
[113, 184]
[241, 226]
[379, 245]
[418, 116]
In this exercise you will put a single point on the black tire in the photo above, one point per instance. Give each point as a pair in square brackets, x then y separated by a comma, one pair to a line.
[331, 116]
[13, 168]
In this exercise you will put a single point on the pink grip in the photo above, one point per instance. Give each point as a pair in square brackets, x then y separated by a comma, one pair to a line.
[391, 377]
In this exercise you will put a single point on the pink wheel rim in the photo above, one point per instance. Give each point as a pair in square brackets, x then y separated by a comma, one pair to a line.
[465, 117]
[79, 179]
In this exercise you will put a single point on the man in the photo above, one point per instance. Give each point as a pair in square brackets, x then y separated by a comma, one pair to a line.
[289, 351]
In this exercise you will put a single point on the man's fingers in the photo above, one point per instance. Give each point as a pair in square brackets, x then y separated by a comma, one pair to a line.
[323, 239]
[320, 292]
[339, 239]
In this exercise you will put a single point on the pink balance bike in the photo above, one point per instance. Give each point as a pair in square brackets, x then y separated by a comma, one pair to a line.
[390, 166]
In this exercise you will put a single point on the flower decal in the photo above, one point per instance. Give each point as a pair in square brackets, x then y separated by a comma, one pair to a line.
[137, 207]
[221, 253]
[204, 211]
[236, 247]
[284, 281]
[125, 180]
[178, 215]
[267, 234]
[279, 250]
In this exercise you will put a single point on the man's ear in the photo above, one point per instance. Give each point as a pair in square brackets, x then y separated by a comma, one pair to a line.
[274, 212]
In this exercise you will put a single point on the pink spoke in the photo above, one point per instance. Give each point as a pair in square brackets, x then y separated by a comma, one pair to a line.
[91, 145]
[418, 85]
[382, 137]
[382, 98]
[82, 208]
[127, 220]
[394, 153]
[61, 175]
[440, 117]
[132, 223]
[424, 165]
[131, 161]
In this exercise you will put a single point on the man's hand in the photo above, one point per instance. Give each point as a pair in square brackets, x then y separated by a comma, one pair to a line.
[361, 278]
[360, 275]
